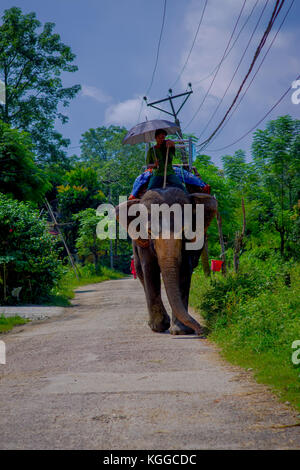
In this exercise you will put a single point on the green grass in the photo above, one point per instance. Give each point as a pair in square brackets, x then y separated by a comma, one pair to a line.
[255, 317]
[65, 290]
[6, 324]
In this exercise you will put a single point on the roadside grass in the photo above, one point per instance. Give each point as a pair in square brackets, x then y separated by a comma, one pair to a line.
[255, 317]
[7, 323]
[64, 292]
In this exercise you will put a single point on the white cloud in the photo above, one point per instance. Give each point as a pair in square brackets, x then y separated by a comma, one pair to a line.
[218, 23]
[126, 113]
[95, 93]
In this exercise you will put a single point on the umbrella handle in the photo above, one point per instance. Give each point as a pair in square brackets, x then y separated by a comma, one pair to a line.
[166, 164]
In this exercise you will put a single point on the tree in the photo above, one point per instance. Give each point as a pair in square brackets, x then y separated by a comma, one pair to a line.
[221, 188]
[236, 168]
[276, 154]
[87, 242]
[31, 64]
[28, 253]
[101, 144]
[19, 175]
[117, 165]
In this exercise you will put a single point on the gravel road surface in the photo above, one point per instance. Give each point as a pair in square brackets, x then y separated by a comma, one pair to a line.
[96, 377]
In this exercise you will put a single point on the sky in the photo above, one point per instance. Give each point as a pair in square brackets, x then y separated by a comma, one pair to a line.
[116, 46]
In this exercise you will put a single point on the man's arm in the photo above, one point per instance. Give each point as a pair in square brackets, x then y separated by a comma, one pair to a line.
[150, 160]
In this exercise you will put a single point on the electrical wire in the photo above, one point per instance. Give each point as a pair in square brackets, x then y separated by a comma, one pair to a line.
[236, 70]
[254, 76]
[233, 44]
[274, 15]
[195, 37]
[157, 56]
[217, 71]
[258, 123]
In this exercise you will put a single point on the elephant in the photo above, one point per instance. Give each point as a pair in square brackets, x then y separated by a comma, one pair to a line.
[170, 258]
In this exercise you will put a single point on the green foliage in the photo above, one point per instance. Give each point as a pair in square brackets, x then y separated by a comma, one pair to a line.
[81, 190]
[87, 242]
[254, 315]
[276, 154]
[101, 144]
[19, 175]
[235, 167]
[28, 254]
[117, 165]
[31, 65]
[228, 202]
[64, 290]
[6, 324]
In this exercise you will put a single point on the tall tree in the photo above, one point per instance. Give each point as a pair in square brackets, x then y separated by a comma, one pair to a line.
[32, 60]
[235, 167]
[117, 165]
[276, 154]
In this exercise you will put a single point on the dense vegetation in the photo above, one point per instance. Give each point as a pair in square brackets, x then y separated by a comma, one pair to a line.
[255, 313]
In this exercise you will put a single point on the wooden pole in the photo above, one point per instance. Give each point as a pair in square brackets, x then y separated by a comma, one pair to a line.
[238, 242]
[62, 237]
[221, 239]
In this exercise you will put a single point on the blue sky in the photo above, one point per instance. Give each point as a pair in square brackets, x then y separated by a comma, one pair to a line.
[115, 42]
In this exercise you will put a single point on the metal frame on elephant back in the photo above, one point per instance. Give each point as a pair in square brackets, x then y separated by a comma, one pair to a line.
[191, 188]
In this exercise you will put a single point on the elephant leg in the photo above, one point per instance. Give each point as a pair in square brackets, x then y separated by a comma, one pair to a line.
[177, 327]
[159, 320]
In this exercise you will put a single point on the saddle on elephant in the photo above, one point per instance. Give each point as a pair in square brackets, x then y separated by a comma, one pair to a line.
[192, 182]
[161, 173]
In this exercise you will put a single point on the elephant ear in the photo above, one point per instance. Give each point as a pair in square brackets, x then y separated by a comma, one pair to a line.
[210, 206]
[122, 209]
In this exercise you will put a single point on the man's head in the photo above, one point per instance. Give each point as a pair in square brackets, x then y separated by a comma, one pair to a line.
[160, 135]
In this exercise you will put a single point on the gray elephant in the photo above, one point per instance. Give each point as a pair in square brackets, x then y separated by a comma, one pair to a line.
[169, 257]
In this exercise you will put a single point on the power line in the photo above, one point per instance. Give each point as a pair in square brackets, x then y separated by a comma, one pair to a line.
[258, 123]
[157, 55]
[254, 76]
[274, 15]
[233, 44]
[216, 73]
[188, 56]
[236, 70]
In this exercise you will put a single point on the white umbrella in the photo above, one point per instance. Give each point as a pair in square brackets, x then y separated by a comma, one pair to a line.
[145, 131]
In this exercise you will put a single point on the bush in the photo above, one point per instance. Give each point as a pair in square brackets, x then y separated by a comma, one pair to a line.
[257, 309]
[255, 317]
[28, 254]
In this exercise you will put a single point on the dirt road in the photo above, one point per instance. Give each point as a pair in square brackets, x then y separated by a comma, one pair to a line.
[97, 377]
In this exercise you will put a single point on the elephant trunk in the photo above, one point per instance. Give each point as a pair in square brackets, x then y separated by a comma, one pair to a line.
[170, 274]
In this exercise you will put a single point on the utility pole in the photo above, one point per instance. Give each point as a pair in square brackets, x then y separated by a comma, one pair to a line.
[173, 112]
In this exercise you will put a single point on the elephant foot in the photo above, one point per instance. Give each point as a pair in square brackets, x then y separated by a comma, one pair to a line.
[160, 326]
[181, 329]
[178, 328]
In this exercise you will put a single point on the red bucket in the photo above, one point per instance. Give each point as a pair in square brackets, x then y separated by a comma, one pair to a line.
[216, 265]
